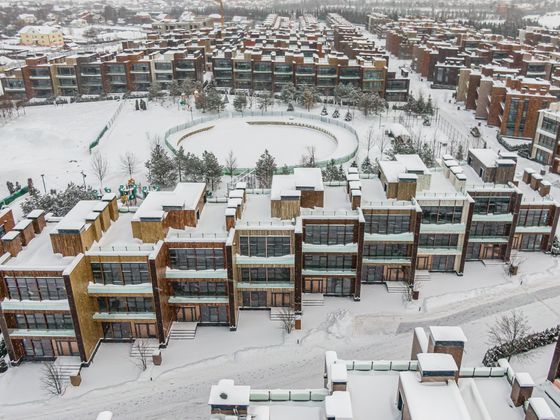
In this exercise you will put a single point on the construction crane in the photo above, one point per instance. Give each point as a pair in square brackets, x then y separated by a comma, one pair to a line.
[221, 3]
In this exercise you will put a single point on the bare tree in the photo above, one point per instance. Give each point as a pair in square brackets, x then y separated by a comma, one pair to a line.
[99, 166]
[231, 163]
[288, 318]
[129, 164]
[508, 333]
[383, 144]
[144, 353]
[52, 380]
[370, 139]
[309, 159]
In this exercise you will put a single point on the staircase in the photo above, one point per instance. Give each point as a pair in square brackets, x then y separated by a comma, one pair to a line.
[183, 330]
[144, 346]
[396, 286]
[422, 275]
[68, 366]
[312, 299]
[278, 314]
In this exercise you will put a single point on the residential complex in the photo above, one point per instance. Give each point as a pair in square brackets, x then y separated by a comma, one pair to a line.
[433, 384]
[44, 36]
[181, 260]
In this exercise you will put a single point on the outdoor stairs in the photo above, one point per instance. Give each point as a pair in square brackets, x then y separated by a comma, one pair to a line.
[396, 286]
[68, 366]
[183, 330]
[147, 345]
[278, 314]
[312, 299]
[422, 275]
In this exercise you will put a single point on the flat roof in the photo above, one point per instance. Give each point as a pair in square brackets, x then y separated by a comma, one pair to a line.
[75, 219]
[185, 196]
[302, 178]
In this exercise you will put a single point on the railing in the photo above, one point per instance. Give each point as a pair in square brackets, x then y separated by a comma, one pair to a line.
[107, 126]
[12, 197]
[323, 119]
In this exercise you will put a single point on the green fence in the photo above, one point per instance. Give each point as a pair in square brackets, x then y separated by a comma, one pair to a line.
[323, 119]
[11, 198]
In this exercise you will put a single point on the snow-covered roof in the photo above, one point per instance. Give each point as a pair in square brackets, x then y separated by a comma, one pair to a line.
[487, 157]
[41, 30]
[541, 409]
[445, 333]
[75, 219]
[226, 393]
[436, 362]
[339, 406]
[185, 197]
[524, 379]
[301, 179]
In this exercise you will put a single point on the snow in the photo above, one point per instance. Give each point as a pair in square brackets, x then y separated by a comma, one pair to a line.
[339, 406]
[524, 379]
[132, 316]
[436, 362]
[185, 196]
[171, 273]
[34, 305]
[142, 288]
[226, 393]
[447, 334]
[541, 409]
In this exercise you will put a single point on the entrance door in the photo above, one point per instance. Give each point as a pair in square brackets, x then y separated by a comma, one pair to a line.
[339, 287]
[117, 330]
[38, 347]
[473, 251]
[492, 252]
[423, 263]
[373, 274]
[396, 274]
[145, 330]
[213, 314]
[67, 348]
[187, 314]
[314, 286]
[281, 299]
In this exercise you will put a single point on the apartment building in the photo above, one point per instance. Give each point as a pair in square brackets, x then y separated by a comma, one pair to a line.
[433, 383]
[545, 143]
[44, 36]
[179, 262]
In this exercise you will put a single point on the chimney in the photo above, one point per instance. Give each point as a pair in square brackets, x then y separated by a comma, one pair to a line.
[538, 409]
[406, 189]
[11, 242]
[437, 367]
[356, 198]
[544, 188]
[230, 218]
[37, 218]
[528, 174]
[449, 340]
[522, 388]
[419, 343]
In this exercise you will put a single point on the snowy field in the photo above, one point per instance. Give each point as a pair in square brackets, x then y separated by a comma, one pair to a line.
[248, 140]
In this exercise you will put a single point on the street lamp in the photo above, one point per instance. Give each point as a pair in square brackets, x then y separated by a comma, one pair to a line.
[44, 186]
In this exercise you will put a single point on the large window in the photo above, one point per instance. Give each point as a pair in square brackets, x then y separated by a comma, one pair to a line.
[328, 234]
[120, 273]
[531, 243]
[196, 258]
[386, 250]
[44, 321]
[443, 262]
[328, 261]
[550, 125]
[438, 240]
[339, 286]
[213, 314]
[31, 288]
[125, 304]
[492, 205]
[441, 214]
[489, 229]
[532, 217]
[259, 275]
[387, 223]
[264, 246]
[199, 288]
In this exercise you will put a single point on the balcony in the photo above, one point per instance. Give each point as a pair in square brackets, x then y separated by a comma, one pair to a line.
[265, 285]
[23, 333]
[40, 77]
[124, 316]
[173, 273]
[9, 305]
[327, 272]
[178, 300]
[351, 248]
[285, 260]
[96, 289]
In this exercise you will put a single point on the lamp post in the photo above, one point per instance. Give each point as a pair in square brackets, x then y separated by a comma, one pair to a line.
[44, 185]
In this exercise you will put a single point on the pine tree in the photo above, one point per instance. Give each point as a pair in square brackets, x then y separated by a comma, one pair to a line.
[154, 91]
[201, 100]
[193, 168]
[427, 155]
[161, 168]
[264, 169]
[367, 166]
[265, 99]
[420, 105]
[371, 102]
[429, 108]
[288, 93]
[212, 169]
[180, 160]
[460, 155]
[175, 88]
[307, 97]
[214, 101]
[59, 203]
[285, 170]
[240, 102]
[330, 173]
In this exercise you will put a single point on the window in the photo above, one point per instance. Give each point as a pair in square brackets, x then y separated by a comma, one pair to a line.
[261, 275]
[328, 261]
[489, 229]
[120, 273]
[339, 286]
[441, 214]
[492, 205]
[197, 258]
[531, 243]
[328, 234]
[443, 262]
[31, 288]
[438, 241]
[264, 246]
[550, 125]
[387, 223]
[386, 250]
[44, 321]
[125, 304]
[213, 314]
[199, 288]
[532, 217]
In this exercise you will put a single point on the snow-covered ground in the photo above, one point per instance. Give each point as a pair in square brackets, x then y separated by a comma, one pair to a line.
[260, 354]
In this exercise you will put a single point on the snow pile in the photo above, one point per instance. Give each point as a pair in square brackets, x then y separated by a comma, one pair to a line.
[339, 324]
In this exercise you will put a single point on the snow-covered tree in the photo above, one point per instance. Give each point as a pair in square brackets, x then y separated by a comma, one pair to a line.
[201, 100]
[175, 88]
[180, 161]
[309, 158]
[99, 166]
[161, 168]
[264, 169]
[212, 169]
[240, 102]
[427, 155]
[59, 203]
[508, 333]
[129, 164]
[333, 172]
[429, 108]
[460, 154]
[214, 101]
[367, 166]
[371, 103]
[193, 171]
[155, 90]
[189, 87]
[308, 96]
[230, 164]
[288, 93]
[265, 99]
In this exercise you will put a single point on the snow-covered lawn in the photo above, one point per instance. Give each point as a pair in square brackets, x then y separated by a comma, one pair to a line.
[262, 355]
